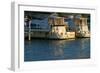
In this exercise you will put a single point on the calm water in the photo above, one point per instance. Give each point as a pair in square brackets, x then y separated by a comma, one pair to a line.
[38, 49]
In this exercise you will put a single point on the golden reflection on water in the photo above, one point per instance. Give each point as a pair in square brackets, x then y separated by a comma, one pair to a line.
[58, 48]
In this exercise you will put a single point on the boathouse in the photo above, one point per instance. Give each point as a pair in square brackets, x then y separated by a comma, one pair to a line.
[59, 28]
[82, 27]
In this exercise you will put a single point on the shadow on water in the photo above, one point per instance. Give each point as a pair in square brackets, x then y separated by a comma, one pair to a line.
[38, 49]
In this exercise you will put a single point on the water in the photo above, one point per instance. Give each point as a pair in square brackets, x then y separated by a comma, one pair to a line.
[40, 49]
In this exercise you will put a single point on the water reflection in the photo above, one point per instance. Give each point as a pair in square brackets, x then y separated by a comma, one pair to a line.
[37, 50]
[58, 48]
[83, 46]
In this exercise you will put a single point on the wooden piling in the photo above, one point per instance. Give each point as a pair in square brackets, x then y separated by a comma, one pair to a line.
[29, 33]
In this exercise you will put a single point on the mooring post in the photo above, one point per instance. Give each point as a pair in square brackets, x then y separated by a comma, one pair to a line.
[29, 33]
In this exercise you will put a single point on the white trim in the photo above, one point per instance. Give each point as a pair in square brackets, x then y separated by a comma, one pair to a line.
[55, 6]
[14, 34]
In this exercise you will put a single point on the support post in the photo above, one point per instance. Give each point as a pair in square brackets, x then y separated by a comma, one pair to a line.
[29, 33]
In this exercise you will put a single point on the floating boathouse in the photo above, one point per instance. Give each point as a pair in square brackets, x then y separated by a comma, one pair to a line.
[82, 27]
[59, 28]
